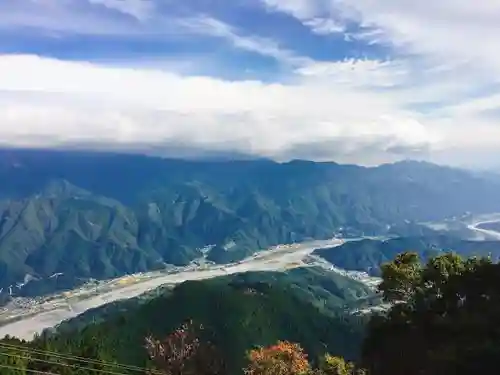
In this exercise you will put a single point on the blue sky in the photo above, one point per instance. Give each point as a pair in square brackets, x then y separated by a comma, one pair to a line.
[351, 81]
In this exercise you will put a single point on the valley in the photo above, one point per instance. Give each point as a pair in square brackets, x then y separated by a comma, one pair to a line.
[24, 317]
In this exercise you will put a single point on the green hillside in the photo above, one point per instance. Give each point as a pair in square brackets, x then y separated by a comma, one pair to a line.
[332, 293]
[368, 255]
[238, 312]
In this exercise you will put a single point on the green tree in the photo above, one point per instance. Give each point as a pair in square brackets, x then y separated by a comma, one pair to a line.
[331, 365]
[445, 318]
[400, 278]
[13, 361]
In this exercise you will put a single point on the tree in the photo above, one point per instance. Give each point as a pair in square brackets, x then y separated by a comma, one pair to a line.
[13, 358]
[284, 358]
[445, 317]
[12, 362]
[331, 365]
[400, 278]
[182, 353]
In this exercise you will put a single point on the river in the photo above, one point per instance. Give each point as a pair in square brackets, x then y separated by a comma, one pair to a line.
[279, 259]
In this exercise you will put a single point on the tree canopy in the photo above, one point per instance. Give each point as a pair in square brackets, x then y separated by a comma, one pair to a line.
[445, 318]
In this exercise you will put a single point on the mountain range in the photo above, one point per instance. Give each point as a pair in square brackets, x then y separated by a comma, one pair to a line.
[99, 215]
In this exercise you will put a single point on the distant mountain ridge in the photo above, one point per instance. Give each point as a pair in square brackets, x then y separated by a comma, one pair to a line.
[101, 215]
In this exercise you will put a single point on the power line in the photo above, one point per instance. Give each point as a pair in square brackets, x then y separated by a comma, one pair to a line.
[75, 358]
[27, 370]
[78, 358]
[61, 364]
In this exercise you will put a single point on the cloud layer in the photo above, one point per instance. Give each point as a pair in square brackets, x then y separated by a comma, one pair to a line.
[430, 97]
[59, 101]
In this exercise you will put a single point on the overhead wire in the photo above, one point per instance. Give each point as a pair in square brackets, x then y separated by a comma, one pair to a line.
[27, 370]
[75, 358]
[34, 359]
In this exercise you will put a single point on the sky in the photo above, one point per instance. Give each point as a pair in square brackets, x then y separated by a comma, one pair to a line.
[351, 81]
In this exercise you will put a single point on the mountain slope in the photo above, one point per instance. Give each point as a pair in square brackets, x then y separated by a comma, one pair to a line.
[68, 230]
[333, 294]
[99, 215]
[367, 255]
[237, 312]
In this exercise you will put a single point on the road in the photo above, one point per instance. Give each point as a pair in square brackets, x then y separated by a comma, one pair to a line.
[275, 260]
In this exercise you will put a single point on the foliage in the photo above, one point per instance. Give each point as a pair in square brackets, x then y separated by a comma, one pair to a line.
[182, 353]
[444, 320]
[237, 313]
[331, 365]
[400, 278]
[283, 358]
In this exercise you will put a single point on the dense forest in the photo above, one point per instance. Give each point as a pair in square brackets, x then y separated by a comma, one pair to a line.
[443, 320]
[329, 291]
[235, 315]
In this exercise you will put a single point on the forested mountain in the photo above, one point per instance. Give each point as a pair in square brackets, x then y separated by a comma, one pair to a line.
[332, 293]
[368, 255]
[100, 215]
[237, 313]
[443, 321]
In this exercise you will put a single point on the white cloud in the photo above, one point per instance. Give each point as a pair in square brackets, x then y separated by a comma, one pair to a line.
[458, 35]
[49, 102]
[312, 13]
[132, 19]
[139, 9]
[300, 9]
[451, 61]
[441, 30]
[208, 26]
[447, 30]
[72, 16]
[358, 73]
[324, 26]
